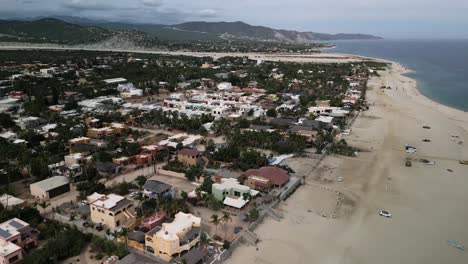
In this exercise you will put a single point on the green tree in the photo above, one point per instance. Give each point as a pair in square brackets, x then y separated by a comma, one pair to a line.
[206, 184]
[6, 121]
[225, 219]
[271, 113]
[216, 221]
[140, 180]
[43, 205]
[193, 173]
[184, 195]
[253, 215]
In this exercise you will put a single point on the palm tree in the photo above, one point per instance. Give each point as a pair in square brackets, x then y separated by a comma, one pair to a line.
[124, 233]
[216, 221]
[226, 218]
[43, 205]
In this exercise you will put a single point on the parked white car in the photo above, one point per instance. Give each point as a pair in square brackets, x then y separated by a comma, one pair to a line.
[385, 214]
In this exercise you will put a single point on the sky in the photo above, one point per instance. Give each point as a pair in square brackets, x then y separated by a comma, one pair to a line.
[386, 18]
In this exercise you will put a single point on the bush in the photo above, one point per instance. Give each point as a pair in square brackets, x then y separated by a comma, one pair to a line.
[123, 188]
[175, 165]
[226, 244]
[66, 243]
[342, 148]
[214, 204]
[193, 173]
[108, 247]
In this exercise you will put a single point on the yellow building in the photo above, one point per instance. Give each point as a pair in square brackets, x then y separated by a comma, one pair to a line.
[174, 239]
[113, 211]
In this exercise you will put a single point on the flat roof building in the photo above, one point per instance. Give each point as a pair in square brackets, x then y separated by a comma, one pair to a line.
[15, 234]
[115, 81]
[112, 210]
[173, 239]
[9, 201]
[232, 193]
[50, 188]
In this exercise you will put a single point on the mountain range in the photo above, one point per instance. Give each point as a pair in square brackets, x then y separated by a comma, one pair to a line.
[55, 31]
[87, 30]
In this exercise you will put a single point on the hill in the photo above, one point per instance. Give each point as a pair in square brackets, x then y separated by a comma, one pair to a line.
[51, 30]
[241, 30]
[217, 31]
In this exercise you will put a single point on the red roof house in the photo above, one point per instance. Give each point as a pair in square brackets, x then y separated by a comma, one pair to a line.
[277, 176]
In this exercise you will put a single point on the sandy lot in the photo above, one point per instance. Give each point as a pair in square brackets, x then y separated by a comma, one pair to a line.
[426, 200]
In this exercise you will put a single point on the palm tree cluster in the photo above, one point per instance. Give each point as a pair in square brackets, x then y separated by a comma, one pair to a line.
[216, 220]
[172, 206]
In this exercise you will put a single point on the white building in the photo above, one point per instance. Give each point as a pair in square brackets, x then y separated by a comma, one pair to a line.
[224, 86]
[184, 138]
[328, 111]
[115, 81]
[9, 135]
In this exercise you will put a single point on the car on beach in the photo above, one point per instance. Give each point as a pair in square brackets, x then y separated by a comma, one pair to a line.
[410, 149]
[385, 214]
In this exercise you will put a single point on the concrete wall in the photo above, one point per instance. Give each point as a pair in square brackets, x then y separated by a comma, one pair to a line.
[171, 173]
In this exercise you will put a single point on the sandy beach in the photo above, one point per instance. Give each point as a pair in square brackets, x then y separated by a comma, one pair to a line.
[306, 58]
[426, 200]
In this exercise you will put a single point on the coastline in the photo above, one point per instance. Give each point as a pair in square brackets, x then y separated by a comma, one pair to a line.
[336, 221]
[453, 113]
[378, 180]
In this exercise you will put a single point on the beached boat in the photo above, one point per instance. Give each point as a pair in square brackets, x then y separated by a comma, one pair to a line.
[464, 162]
[456, 244]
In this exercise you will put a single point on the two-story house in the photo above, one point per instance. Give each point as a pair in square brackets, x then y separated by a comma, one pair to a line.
[190, 157]
[174, 239]
[15, 235]
[113, 211]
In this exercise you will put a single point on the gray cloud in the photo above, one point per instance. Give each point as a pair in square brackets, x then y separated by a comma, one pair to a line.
[151, 2]
[87, 5]
[383, 17]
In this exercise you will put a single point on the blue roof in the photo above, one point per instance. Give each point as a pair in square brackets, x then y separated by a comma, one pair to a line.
[15, 224]
[4, 233]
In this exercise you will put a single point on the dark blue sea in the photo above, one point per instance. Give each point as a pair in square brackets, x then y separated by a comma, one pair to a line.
[440, 66]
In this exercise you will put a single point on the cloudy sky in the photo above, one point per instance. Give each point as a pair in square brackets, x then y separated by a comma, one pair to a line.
[387, 18]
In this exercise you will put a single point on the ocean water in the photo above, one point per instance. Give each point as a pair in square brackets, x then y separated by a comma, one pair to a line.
[440, 66]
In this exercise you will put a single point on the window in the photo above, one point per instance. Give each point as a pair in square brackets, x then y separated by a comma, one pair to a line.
[13, 259]
[149, 249]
